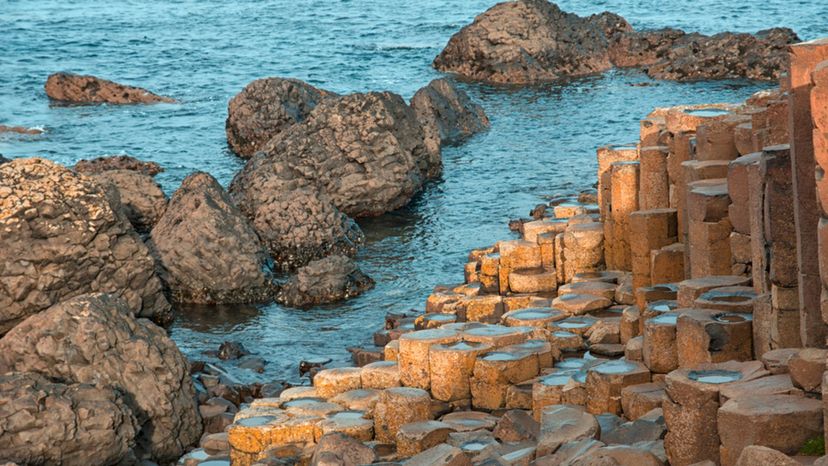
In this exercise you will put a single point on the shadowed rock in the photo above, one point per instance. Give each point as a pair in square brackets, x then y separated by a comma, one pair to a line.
[77, 89]
[448, 117]
[117, 162]
[530, 41]
[142, 199]
[266, 107]
[206, 250]
[65, 235]
[295, 220]
[94, 339]
[323, 281]
[53, 423]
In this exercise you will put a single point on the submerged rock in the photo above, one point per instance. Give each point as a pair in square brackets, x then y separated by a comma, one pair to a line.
[232, 350]
[94, 339]
[20, 130]
[266, 107]
[65, 235]
[365, 151]
[529, 41]
[328, 280]
[206, 250]
[53, 423]
[117, 162]
[448, 116]
[142, 199]
[77, 89]
[295, 220]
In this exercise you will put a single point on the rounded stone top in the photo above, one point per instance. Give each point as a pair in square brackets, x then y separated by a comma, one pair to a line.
[461, 346]
[503, 356]
[668, 318]
[556, 379]
[618, 366]
[576, 322]
[408, 393]
[571, 363]
[493, 330]
[732, 317]
[714, 376]
[429, 334]
[257, 421]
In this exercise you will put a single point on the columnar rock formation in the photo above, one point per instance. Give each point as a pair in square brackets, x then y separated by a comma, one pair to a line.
[65, 235]
[530, 41]
[77, 89]
[206, 250]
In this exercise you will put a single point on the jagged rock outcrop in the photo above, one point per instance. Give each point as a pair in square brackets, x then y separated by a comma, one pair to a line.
[365, 151]
[447, 115]
[266, 107]
[43, 422]
[117, 162]
[206, 250]
[327, 280]
[142, 199]
[78, 89]
[529, 41]
[65, 235]
[94, 339]
[296, 221]
[675, 55]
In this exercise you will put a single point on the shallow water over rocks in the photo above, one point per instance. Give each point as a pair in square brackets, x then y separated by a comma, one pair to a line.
[541, 142]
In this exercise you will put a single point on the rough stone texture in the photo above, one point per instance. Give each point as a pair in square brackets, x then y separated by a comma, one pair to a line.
[529, 41]
[117, 162]
[64, 235]
[366, 151]
[23, 130]
[42, 422]
[346, 450]
[756, 455]
[323, 281]
[207, 251]
[94, 339]
[448, 117]
[142, 199]
[77, 89]
[675, 55]
[533, 40]
[265, 108]
[297, 222]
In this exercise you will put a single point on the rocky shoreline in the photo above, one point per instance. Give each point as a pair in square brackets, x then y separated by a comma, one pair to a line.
[673, 315]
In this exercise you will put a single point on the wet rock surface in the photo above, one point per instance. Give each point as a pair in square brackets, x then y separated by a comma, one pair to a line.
[448, 117]
[266, 107]
[324, 281]
[64, 235]
[117, 162]
[529, 41]
[20, 130]
[207, 251]
[77, 89]
[45, 422]
[94, 339]
[534, 41]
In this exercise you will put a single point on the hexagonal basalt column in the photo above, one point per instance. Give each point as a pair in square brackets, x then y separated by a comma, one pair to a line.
[710, 336]
[413, 358]
[660, 352]
[399, 406]
[495, 371]
[605, 381]
[451, 366]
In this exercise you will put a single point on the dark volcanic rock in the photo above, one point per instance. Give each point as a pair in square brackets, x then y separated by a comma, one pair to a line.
[295, 220]
[724, 56]
[231, 350]
[117, 162]
[324, 281]
[77, 89]
[264, 108]
[3, 159]
[206, 250]
[64, 235]
[529, 41]
[52, 423]
[365, 151]
[94, 339]
[142, 199]
[447, 115]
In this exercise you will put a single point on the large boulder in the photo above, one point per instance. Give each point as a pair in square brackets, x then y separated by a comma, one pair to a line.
[77, 89]
[365, 151]
[530, 41]
[447, 115]
[65, 235]
[264, 108]
[117, 162]
[296, 221]
[95, 339]
[324, 281]
[206, 250]
[675, 55]
[142, 199]
[43, 422]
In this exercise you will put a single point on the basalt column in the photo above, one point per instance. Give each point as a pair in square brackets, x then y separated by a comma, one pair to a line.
[607, 156]
[625, 183]
[819, 106]
[804, 59]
